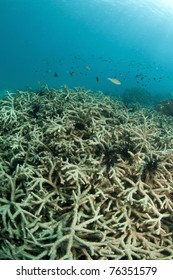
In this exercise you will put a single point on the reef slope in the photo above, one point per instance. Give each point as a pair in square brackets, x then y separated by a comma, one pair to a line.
[82, 177]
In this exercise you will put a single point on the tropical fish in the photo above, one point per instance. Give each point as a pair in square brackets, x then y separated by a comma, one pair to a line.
[72, 73]
[88, 67]
[114, 81]
[38, 82]
[97, 79]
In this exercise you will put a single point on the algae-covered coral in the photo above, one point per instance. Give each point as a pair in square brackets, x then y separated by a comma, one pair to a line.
[84, 178]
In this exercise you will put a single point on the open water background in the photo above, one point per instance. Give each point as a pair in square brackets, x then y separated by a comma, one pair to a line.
[54, 41]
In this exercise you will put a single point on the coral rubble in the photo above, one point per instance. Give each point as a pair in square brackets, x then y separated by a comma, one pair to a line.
[83, 177]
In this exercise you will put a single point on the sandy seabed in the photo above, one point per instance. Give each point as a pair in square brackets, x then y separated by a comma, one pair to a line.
[84, 177]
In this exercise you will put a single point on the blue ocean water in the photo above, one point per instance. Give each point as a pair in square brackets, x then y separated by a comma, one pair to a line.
[83, 42]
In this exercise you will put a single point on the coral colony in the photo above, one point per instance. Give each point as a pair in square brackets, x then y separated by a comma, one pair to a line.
[84, 177]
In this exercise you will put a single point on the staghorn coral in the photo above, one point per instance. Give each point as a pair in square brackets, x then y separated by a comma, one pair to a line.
[83, 177]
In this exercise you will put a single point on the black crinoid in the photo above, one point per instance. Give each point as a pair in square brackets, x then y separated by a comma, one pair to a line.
[82, 129]
[79, 125]
[125, 146]
[108, 155]
[150, 167]
[35, 108]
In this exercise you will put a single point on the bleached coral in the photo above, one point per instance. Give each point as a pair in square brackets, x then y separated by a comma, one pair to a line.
[83, 177]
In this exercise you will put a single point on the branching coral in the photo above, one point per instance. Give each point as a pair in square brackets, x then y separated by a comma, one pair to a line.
[83, 177]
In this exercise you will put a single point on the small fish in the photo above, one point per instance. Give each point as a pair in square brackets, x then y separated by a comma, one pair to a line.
[55, 75]
[114, 81]
[97, 79]
[72, 73]
[38, 82]
[88, 67]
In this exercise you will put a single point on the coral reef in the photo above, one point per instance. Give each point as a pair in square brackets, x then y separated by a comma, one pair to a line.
[83, 177]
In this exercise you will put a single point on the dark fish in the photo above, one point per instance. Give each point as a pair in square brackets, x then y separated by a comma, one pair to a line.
[97, 79]
[55, 74]
[72, 73]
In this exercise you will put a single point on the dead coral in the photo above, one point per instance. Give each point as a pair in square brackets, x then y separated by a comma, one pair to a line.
[83, 177]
